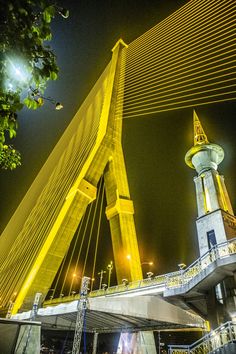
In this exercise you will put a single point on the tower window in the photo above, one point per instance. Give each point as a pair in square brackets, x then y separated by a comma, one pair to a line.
[211, 238]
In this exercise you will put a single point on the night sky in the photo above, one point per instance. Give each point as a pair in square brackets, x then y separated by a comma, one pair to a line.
[161, 185]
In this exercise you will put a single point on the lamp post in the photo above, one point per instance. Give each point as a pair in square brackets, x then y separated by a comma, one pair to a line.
[52, 293]
[181, 269]
[74, 281]
[109, 268]
[101, 273]
[92, 283]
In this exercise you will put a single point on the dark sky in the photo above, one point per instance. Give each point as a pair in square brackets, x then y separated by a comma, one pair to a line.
[161, 184]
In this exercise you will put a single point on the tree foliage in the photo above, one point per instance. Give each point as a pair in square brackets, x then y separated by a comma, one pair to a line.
[26, 64]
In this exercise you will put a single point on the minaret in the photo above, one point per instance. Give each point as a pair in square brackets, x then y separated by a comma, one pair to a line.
[216, 221]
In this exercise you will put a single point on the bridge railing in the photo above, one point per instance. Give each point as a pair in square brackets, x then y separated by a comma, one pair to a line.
[157, 280]
[218, 251]
[212, 341]
[175, 279]
[166, 281]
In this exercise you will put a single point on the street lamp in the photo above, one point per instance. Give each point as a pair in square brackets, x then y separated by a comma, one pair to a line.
[109, 268]
[149, 275]
[181, 266]
[101, 273]
[181, 270]
[104, 286]
[52, 293]
[39, 98]
[92, 283]
[74, 281]
[125, 281]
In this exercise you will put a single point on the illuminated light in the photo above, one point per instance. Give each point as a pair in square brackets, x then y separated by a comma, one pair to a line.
[129, 259]
[181, 266]
[150, 263]
[58, 106]
[10, 87]
[222, 194]
[17, 71]
[208, 201]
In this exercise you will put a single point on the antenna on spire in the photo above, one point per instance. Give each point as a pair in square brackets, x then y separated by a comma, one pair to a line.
[199, 134]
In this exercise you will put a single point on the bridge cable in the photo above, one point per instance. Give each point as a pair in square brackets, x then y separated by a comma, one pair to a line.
[92, 226]
[83, 229]
[80, 249]
[98, 234]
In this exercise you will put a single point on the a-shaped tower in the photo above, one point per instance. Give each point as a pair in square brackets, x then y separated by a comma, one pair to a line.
[216, 221]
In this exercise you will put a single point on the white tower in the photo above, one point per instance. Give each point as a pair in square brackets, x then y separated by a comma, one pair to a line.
[216, 221]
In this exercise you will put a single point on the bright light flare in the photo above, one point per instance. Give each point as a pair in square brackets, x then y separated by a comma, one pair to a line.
[17, 71]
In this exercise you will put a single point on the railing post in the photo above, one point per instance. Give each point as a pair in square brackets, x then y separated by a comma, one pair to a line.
[230, 332]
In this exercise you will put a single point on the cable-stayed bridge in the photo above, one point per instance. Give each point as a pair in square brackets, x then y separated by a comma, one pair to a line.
[116, 306]
[187, 60]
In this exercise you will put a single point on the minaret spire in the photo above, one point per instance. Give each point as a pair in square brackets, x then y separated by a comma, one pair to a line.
[199, 134]
[203, 156]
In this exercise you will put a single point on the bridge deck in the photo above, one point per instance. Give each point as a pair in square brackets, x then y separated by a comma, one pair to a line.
[116, 314]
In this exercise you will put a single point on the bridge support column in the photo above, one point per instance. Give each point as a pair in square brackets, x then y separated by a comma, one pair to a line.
[137, 343]
[146, 343]
[120, 212]
[95, 342]
[213, 309]
[221, 302]
[228, 290]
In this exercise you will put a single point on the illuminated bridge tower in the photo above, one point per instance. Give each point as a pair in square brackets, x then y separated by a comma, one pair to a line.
[216, 222]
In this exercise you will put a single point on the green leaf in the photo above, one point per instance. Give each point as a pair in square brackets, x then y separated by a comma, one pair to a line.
[12, 133]
[53, 75]
[27, 102]
[26, 29]
[48, 13]
[34, 104]
[46, 16]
